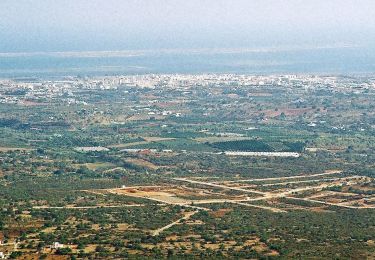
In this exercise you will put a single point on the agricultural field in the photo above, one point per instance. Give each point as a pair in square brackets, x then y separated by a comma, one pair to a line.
[188, 167]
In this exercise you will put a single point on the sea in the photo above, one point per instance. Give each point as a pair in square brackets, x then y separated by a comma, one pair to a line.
[322, 60]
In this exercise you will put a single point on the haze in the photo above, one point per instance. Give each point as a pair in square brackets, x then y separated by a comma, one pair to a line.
[93, 25]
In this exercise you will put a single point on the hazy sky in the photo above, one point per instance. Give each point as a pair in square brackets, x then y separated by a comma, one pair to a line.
[74, 25]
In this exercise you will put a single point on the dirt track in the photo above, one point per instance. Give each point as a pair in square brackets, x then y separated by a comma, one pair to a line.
[186, 217]
[165, 195]
[276, 210]
[89, 207]
[289, 177]
[219, 186]
[287, 193]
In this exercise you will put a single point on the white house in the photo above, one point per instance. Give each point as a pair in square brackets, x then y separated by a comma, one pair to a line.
[57, 245]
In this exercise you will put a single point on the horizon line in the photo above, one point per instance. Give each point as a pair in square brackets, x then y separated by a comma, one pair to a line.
[141, 52]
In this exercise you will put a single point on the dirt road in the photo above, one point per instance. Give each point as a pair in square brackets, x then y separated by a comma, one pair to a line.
[288, 177]
[186, 217]
[90, 207]
[219, 186]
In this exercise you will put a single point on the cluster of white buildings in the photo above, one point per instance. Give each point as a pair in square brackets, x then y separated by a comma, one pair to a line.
[67, 88]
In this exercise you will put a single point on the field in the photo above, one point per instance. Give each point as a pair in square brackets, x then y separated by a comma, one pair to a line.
[188, 167]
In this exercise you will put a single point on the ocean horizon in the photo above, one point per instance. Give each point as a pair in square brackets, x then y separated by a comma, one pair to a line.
[318, 60]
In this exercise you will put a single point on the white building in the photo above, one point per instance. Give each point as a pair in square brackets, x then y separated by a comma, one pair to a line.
[57, 245]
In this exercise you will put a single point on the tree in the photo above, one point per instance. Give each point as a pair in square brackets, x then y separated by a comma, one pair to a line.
[63, 251]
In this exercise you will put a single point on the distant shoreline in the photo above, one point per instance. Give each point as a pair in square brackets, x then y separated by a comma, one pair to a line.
[328, 60]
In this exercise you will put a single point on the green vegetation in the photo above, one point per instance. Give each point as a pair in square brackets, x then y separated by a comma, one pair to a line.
[97, 165]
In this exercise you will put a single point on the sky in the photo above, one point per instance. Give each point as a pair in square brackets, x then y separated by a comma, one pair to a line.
[107, 25]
